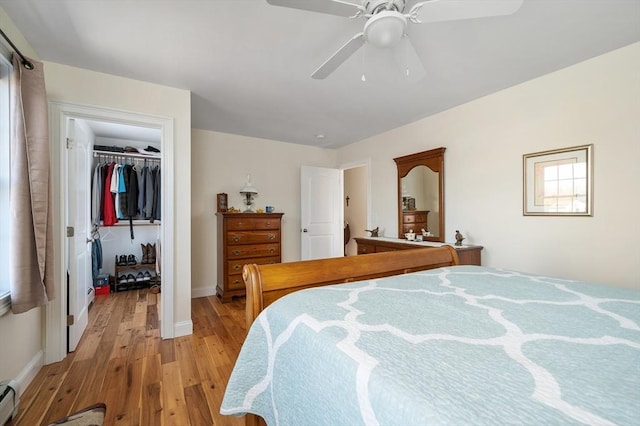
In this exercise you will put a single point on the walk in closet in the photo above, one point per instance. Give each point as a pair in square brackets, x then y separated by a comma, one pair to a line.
[126, 214]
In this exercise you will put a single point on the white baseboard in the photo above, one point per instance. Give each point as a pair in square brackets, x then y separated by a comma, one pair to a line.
[29, 371]
[183, 328]
[202, 292]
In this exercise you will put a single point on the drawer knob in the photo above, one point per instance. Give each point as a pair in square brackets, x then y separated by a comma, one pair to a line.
[236, 238]
[236, 252]
[236, 267]
[236, 282]
[272, 250]
[271, 236]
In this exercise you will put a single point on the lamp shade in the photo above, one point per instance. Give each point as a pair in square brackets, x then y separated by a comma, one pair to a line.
[249, 189]
[385, 29]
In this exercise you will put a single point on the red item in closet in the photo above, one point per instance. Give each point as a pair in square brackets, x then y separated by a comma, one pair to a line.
[108, 208]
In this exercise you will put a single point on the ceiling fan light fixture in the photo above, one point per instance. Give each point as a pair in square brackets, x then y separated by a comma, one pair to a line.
[385, 29]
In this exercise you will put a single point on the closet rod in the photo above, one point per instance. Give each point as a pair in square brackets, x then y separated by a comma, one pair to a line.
[124, 155]
[25, 62]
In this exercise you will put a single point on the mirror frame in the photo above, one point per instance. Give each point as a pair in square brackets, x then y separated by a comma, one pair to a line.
[433, 159]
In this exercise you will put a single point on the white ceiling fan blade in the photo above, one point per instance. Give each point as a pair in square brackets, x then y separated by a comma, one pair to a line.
[450, 10]
[332, 7]
[339, 57]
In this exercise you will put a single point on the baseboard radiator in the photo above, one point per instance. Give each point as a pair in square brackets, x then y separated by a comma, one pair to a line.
[9, 400]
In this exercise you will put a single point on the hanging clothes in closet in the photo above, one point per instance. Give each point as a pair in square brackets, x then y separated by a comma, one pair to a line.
[125, 188]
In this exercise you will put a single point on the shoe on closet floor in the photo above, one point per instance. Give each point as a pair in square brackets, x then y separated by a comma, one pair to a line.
[151, 253]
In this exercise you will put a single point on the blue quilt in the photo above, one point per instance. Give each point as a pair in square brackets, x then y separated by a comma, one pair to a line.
[458, 345]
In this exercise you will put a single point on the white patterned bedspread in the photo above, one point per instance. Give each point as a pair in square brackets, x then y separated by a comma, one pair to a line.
[462, 345]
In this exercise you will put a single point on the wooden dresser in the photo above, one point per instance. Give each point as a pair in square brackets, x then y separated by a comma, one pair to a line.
[245, 238]
[467, 254]
[414, 219]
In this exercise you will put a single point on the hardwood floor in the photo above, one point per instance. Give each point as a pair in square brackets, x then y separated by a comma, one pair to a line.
[142, 379]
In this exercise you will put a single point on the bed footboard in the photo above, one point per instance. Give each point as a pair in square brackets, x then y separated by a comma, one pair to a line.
[267, 283]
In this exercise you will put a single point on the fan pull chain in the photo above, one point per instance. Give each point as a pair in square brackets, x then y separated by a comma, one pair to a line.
[364, 77]
[406, 55]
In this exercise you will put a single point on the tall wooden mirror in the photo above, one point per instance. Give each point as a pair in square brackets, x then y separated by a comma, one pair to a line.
[421, 194]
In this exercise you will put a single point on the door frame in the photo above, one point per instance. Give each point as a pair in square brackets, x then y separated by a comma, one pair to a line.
[366, 162]
[55, 312]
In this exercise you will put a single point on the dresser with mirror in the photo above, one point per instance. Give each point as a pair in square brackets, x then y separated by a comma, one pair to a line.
[420, 206]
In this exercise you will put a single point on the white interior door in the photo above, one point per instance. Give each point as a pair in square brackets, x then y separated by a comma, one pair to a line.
[321, 213]
[79, 218]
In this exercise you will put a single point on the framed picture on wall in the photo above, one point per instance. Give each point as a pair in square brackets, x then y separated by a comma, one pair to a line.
[558, 182]
[222, 202]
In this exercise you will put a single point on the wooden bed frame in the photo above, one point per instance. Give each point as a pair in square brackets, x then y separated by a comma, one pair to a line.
[267, 283]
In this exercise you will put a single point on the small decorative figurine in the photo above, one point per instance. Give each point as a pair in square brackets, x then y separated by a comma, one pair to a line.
[410, 236]
[374, 231]
[459, 238]
[426, 233]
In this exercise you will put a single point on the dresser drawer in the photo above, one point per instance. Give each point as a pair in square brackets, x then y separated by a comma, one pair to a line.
[253, 237]
[414, 217]
[366, 248]
[253, 250]
[235, 266]
[235, 282]
[416, 227]
[250, 224]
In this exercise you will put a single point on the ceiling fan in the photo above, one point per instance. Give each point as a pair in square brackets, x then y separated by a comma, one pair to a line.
[387, 21]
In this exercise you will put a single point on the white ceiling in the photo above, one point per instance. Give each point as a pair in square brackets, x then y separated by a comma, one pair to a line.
[247, 63]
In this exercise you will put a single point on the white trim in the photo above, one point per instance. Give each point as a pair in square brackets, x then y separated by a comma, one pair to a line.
[5, 303]
[29, 372]
[203, 291]
[183, 328]
[59, 112]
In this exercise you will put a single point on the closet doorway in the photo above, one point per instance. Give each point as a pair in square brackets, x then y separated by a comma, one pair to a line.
[75, 130]
[357, 203]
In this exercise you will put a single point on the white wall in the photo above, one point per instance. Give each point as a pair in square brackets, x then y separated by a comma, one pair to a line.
[220, 163]
[75, 85]
[595, 102]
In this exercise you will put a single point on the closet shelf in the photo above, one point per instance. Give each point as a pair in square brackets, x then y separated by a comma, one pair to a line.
[136, 222]
[126, 154]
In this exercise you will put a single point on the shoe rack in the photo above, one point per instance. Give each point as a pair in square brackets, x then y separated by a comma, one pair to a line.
[131, 274]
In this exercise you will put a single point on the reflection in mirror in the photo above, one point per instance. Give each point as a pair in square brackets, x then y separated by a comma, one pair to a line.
[421, 194]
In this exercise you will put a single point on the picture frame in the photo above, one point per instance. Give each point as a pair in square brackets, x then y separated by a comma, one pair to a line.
[222, 202]
[558, 182]
[411, 203]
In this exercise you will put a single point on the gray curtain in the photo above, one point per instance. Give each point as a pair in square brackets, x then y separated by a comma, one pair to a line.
[31, 233]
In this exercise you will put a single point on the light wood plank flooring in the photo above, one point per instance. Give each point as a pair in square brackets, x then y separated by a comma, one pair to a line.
[142, 379]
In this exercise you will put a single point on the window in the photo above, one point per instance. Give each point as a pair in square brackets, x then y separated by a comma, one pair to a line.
[561, 185]
[5, 132]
